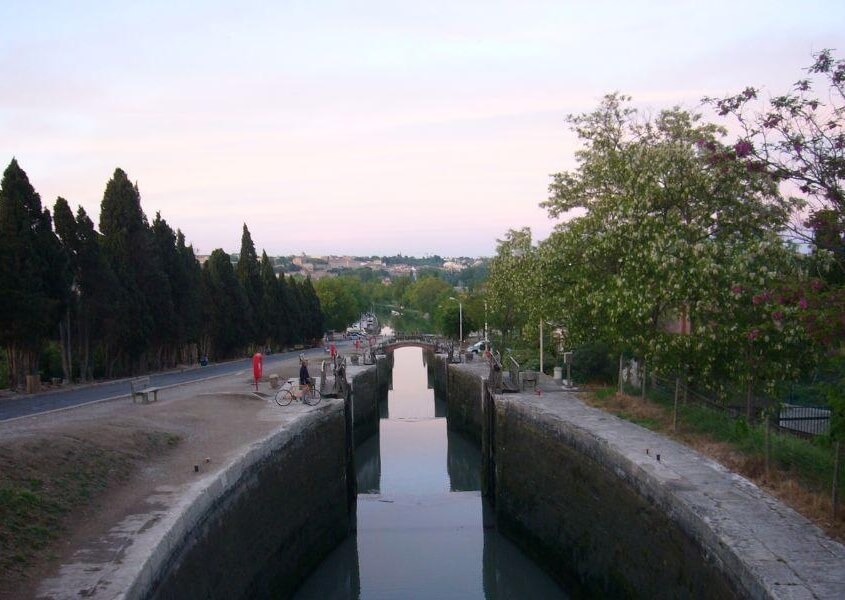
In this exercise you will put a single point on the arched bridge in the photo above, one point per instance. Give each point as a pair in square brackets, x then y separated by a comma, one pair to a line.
[426, 342]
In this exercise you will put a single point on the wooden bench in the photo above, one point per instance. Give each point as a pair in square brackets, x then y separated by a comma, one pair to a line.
[140, 386]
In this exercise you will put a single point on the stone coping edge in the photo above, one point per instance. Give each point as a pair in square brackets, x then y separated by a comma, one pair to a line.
[151, 551]
[765, 547]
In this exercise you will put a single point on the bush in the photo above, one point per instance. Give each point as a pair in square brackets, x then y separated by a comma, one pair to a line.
[593, 363]
[51, 362]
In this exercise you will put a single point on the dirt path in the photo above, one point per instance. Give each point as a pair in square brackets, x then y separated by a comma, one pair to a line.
[110, 460]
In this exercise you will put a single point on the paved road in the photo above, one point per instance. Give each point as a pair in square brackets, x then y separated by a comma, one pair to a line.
[33, 404]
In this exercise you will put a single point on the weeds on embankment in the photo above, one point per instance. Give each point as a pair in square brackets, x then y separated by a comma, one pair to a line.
[49, 480]
[800, 471]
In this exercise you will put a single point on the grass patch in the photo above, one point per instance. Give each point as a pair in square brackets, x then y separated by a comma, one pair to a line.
[800, 470]
[46, 480]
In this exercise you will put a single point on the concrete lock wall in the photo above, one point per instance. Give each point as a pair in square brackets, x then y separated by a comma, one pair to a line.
[369, 389]
[464, 399]
[577, 489]
[276, 513]
[559, 495]
[572, 514]
[270, 522]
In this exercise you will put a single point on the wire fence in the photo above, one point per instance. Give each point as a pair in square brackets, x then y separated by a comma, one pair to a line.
[802, 420]
[790, 437]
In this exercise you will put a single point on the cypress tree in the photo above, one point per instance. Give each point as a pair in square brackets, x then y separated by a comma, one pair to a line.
[314, 318]
[284, 320]
[128, 249]
[98, 291]
[225, 305]
[187, 295]
[66, 230]
[269, 316]
[297, 312]
[32, 274]
[249, 276]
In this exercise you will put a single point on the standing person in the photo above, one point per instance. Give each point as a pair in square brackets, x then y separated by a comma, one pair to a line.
[332, 350]
[304, 376]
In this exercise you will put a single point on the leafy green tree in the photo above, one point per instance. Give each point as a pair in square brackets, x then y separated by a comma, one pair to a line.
[426, 293]
[32, 274]
[400, 286]
[341, 301]
[668, 230]
[513, 288]
[800, 137]
[449, 317]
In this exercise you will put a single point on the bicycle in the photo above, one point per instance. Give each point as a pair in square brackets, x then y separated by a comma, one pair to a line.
[309, 394]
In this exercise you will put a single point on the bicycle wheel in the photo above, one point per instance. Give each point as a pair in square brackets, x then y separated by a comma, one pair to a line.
[312, 397]
[284, 397]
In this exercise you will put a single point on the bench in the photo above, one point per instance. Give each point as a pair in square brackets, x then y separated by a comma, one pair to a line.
[140, 386]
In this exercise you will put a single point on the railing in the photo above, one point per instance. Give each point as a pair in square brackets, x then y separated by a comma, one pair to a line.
[803, 420]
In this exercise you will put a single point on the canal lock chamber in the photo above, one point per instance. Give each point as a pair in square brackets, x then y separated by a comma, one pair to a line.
[379, 495]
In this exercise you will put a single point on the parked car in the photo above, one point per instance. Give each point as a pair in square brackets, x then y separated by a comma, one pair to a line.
[479, 347]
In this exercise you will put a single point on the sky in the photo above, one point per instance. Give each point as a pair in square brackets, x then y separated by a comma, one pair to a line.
[364, 128]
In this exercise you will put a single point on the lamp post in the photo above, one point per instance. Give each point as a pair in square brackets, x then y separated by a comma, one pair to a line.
[460, 321]
[485, 321]
[541, 345]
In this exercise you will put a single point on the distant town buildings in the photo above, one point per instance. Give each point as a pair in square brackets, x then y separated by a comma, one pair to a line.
[317, 267]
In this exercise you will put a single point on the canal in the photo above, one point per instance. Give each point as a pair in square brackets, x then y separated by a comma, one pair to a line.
[423, 529]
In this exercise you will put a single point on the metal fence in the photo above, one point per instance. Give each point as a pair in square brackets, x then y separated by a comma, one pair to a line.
[795, 419]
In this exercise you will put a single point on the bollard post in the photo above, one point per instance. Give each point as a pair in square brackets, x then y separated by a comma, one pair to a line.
[675, 414]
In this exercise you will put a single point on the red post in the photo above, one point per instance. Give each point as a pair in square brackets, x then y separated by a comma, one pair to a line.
[257, 367]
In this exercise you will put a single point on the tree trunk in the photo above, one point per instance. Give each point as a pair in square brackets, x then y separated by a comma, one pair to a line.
[13, 362]
[643, 375]
[64, 346]
[768, 445]
[749, 402]
[675, 412]
[620, 371]
[837, 460]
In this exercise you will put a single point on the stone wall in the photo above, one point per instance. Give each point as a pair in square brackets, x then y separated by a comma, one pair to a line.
[575, 516]
[369, 391]
[614, 510]
[267, 521]
[464, 398]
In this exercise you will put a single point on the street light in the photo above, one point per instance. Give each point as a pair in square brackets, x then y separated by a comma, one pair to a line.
[460, 320]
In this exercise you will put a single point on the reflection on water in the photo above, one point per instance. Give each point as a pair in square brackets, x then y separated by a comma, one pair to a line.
[421, 519]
